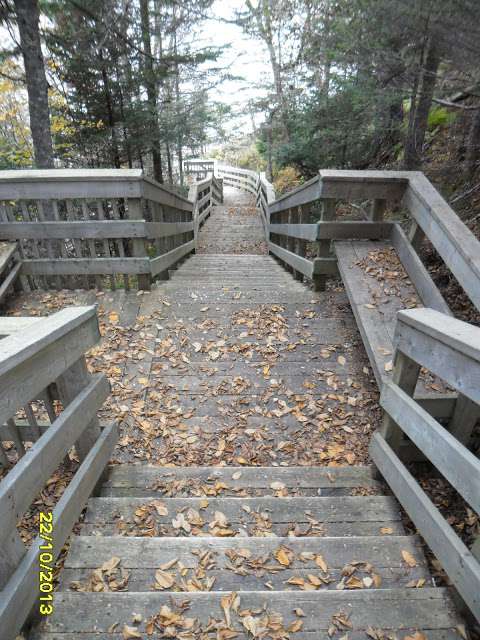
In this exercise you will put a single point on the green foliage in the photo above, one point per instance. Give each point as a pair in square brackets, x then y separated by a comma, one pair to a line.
[440, 117]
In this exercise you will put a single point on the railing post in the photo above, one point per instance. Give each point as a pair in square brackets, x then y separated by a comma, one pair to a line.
[405, 375]
[377, 210]
[69, 385]
[134, 207]
[291, 242]
[464, 419]
[324, 246]
[416, 235]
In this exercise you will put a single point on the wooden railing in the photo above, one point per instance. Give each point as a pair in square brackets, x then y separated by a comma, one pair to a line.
[309, 213]
[450, 349]
[200, 168]
[77, 228]
[9, 268]
[240, 178]
[47, 399]
[205, 194]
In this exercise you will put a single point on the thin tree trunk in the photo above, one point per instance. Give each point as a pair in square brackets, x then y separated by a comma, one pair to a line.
[37, 88]
[169, 162]
[177, 99]
[110, 114]
[473, 145]
[416, 137]
[151, 87]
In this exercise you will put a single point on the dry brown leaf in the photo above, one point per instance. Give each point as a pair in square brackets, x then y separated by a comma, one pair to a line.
[408, 558]
[130, 632]
[320, 562]
[282, 557]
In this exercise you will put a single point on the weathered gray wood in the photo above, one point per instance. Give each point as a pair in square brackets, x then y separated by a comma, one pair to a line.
[353, 229]
[394, 609]
[455, 462]
[302, 231]
[369, 184]
[7, 249]
[446, 346]
[86, 266]
[459, 563]
[417, 272]
[9, 281]
[377, 210]
[139, 250]
[74, 229]
[143, 553]
[455, 243]
[166, 229]
[464, 419]
[13, 551]
[70, 385]
[282, 511]
[372, 323]
[308, 192]
[21, 591]
[405, 376]
[30, 474]
[34, 358]
[297, 262]
[327, 230]
[165, 261]
[325, 266]
[142, 475]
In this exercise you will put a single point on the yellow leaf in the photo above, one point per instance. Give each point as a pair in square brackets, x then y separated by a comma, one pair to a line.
[130, 632]
[320, 562]
[408, 558]
[282, 557]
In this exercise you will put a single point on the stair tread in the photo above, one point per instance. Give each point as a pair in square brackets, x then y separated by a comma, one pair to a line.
[258, 516]
[247, 564]
[243, 477]
[426, 609]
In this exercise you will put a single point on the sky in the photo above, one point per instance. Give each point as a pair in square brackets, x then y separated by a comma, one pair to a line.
[246, 57]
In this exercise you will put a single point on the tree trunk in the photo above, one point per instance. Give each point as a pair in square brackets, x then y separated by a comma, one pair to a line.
[110, 113]
[416, 135]
[27, 19]
[473, 145]
[151, 87]
[177, 99]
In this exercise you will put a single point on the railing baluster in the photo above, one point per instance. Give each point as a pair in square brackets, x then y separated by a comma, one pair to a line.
[134, 212]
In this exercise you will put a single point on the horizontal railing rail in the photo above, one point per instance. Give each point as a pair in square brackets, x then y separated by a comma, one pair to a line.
[81, 228]
[311, 210]
[450, 349]
[49, 402]
[240, 178]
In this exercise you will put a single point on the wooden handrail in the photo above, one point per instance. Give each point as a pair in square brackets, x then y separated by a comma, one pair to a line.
[76, 227]
[450, 349]
[43, 360]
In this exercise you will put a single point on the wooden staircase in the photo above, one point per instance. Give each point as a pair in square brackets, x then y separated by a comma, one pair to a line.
[246, 551]
[302, 548]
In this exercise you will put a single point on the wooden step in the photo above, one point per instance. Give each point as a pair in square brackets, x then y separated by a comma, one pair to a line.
[238, 564]
[87, 616]
[264, 516]
[138, 480]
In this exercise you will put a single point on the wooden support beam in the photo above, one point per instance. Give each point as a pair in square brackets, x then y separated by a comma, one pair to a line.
[417, 272]
[324, 253]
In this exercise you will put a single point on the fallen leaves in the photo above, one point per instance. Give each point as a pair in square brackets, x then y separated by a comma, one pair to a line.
[108, 577]
[283, 556]
[408, 558]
